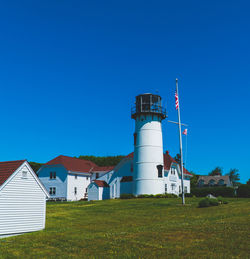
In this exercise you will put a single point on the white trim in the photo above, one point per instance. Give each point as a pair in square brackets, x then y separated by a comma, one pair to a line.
[25, 163]
[79, 173]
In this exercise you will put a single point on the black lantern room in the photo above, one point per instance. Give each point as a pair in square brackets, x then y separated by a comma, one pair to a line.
[148, 104]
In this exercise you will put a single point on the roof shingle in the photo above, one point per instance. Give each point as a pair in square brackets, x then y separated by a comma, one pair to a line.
[78, 165]
[8, 168]
[101, 183]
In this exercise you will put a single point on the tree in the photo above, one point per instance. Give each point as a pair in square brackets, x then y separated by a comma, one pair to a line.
[234, 176]
[193, 180]
[103, 160]
[216, 171]
[177, 158]
[248, 182]
[35, 166]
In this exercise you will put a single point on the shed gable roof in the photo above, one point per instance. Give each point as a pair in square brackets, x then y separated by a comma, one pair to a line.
[100, 183]
[8, 168]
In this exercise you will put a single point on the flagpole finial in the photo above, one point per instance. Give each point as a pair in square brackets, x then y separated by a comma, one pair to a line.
[176, 79]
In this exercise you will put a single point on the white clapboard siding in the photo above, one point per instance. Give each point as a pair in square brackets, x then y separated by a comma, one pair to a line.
[22, 204]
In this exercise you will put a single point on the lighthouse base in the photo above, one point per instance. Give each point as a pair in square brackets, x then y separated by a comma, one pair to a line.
[148, 186]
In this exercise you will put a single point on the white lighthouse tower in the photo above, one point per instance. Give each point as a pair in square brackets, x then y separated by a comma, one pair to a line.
[148, 150]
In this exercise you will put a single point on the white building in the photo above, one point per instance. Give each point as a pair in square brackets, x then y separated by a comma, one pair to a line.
[147, 170]
[120, 179]
[67, 178]
[22, 199]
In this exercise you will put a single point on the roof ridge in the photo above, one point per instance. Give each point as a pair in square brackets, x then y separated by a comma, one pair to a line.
[12, 161]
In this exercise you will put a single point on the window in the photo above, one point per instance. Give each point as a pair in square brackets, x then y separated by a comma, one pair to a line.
[24, 174]
[87, 178]
[211, 182]
[221, 182]
[201, 182]
[97, 175]
[135, 137]
[185, 189]
[52, 175]
[166, 188]
[52, 190]
[159, 168]
[172, 186]
[179, 189]
[75, 176]
[86, 190]
[172, 170]
[75, 190]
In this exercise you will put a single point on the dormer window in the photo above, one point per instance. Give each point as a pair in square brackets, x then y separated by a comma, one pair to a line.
[172, 170]
[211, 182]
[221, 182]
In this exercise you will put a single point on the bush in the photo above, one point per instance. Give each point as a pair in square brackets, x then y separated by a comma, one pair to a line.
[215, 191]
[145, 196]
[222, 200]
[187, 195]
[159, 196]
[170, 195]
[127, 196]
[208, 202]
[243, 191]
[163, 195]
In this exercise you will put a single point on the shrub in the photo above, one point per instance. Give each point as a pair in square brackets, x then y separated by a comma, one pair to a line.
[170, 195]
[208, 202]
[243, 191]
[163, 195]
[215, 191]
[222, 200]
[187, 195]
[159, 196]
[145, 196]
[127, 196]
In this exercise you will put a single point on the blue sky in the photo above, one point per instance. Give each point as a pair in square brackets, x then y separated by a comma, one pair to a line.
[70, 71]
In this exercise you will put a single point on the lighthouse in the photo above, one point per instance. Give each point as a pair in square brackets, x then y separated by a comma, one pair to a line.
[148, 114]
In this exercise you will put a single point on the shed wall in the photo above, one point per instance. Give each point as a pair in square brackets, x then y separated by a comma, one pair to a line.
[22, 205]
[93, 192]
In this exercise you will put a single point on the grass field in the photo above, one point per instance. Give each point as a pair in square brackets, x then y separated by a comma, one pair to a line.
[138, 228]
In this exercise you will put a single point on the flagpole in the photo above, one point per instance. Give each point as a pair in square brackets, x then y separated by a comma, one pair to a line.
[180, 138]
[186, 151]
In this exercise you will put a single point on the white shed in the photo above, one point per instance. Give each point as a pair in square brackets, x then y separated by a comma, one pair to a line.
[98, 190]
[22, 199]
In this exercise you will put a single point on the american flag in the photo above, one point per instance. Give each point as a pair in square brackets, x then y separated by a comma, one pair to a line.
[185, 132]
[176, 101]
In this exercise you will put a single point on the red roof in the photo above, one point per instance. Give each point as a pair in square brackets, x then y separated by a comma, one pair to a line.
[101, 183]
[8, 168]
[168, 160]
[102, 168]
[78, 165]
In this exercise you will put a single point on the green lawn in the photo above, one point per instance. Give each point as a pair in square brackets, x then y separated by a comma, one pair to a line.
[138, 228]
